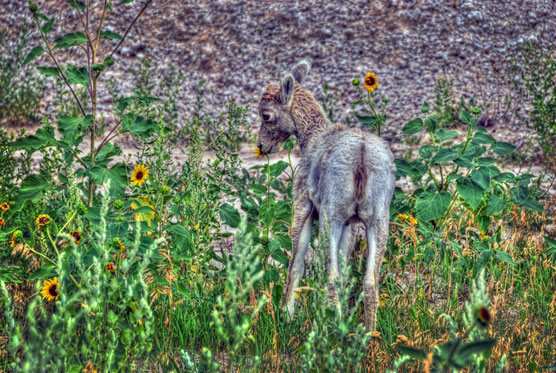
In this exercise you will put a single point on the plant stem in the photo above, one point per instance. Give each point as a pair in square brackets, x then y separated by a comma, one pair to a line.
[130, 26]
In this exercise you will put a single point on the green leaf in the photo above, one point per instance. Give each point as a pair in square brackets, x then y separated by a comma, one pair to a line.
[411, 352]
[79, 4]
[444, 134]
[70, 40]
[366, 121]
[481, 176]
[413, 126]
[520, 194]
[532, 204]
[42, 138]
[117, 174]
[46, 270]
[431, 123]
[426, 151]
[505, 257]
[486, 161]
[495, 204]
[229, 215]
[432, 205]
[48, 71]
[475, 348]
[503, 148]
[70, 127]
[444, 155]
[108, 61]
[258, 189]
[110, 35]
[77, 75]
[35, 52]
[465, 117]
[138, 125]
[277, 168]
[33, 188]
[505, 177]
[278, 255]
[470, 192]
[47, 26]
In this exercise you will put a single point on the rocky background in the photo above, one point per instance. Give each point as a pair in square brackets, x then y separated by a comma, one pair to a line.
[240, 46]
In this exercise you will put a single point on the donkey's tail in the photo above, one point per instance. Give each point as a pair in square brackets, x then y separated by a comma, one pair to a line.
[360, 177]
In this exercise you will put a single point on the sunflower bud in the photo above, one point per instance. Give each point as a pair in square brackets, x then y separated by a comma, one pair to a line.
[118, 204]
[33, 8]
[355, 82]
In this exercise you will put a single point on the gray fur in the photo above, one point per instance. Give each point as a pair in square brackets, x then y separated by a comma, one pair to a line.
[336, 162]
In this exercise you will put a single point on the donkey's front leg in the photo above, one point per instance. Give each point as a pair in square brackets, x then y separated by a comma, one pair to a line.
[302, 226]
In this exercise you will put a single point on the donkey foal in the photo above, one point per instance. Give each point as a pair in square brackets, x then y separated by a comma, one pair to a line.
[344, 174]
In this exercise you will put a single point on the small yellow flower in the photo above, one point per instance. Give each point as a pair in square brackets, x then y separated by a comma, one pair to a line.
[150, 234]
[370, 82]
[258, 152]
[483, 316]
[194, 268]
[119, 242]
[89, 368]
[140, 174]
[4, 207]
[76, 237]
[2, 222]
[110, 267]
[165, 189]
[15, 236]
[196, 226]
[42, 220]
[50, 289]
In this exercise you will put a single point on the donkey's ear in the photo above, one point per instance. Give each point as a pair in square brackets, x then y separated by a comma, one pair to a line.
[300, 70]
[286, 93]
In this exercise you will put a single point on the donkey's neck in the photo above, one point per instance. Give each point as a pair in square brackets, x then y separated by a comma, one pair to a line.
[308, 116]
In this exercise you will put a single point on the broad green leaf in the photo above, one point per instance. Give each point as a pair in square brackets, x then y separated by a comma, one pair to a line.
[70, 127]
[138, 125]
[403, 168]
[35, 52]
[229, 215]
[183, 237]
[105, 34]
[33, 188]
[503, 148]
[258, 189]
[367, 121]
[444, 134]
[486, 161]
[277, 168]
[532, 204]
[495, 204]
[481, 136]
[432, 205]
[124, 102]
[426, 151]
[505, 257]
[48, 71]
[465, 117]
[431, 123]
[413, 126]
[505, 177]
[520, 194]
[470, 192]
[47, 26]
[278, 255]
[444, 155]
[70, 40]
[481, 177]
[46, 270]
[77, 75]
[42, 138]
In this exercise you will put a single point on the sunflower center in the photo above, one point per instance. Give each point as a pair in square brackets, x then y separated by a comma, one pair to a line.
[139, 175]
[370, 81]
[53, 290]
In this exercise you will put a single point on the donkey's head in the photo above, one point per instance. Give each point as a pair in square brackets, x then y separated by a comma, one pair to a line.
[277, 123]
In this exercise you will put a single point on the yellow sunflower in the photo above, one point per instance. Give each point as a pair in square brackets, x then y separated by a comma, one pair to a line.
[42, 220]
[258, 152]
[50, 289]
[76, 237]
[140, 174]
[119, 243]
[110, 267]
[2, 222]
[4, 207]
[89, 368]
[483, 316]
[371, 82]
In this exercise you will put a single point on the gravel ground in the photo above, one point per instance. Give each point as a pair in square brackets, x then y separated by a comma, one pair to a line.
[240, 46]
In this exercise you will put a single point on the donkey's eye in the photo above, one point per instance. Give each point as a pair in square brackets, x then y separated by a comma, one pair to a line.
[266, 117]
